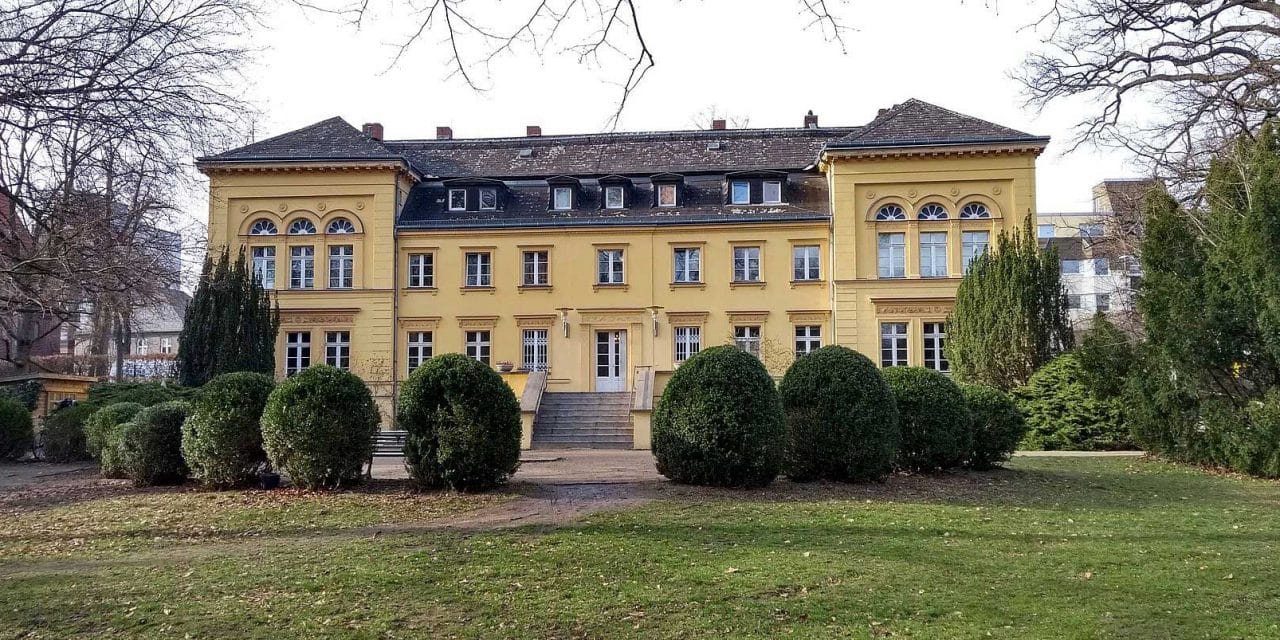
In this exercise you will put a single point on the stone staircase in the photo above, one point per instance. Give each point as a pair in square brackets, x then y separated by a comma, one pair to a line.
[583, 421]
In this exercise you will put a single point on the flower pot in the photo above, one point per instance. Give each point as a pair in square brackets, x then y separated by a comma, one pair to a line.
[505, 367]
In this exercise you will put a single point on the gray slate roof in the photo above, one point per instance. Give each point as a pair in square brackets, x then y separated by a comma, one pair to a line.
[332, 139]
[916, 123]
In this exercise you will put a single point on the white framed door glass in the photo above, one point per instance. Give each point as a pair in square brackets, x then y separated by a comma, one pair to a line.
[611, 360]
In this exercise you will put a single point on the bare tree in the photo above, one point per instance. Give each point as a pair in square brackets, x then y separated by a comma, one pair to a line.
[1173, 80]
[102, 103]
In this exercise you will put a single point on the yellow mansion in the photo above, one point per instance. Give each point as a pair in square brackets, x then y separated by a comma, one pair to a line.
[587, 267]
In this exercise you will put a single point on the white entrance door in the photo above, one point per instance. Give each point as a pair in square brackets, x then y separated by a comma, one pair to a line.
[611, 360]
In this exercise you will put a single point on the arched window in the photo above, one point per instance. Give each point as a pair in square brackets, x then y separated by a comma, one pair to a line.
[302, 227]
[891, 212]
[341, 225]
[932, 211]
[263, 227]
[975, 210]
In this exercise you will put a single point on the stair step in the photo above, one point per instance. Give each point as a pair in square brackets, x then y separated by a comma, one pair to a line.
[581, 445]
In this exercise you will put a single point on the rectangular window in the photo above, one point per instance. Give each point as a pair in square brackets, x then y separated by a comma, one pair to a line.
[893, 255]
[422, 270]
[1091, 230]
[478, 346]
[1074, 301]
[535, 349]
[1046, 231]
[535, 269]
[1101, 266]
[933, 255]
[893, 344]
[666, 195]
[935, 338]
[297, 352]
[421, 348]
[488, 199]
[688, 265]
[342, 263]
[165, 346]
[748, 339]
[141, 348]
[1072, 266]
[609, 266]
[772, 192]
[1103, 301]
[562, 198]
[337, 349]
[740, 192]
[264, 266]
[746, 264]
[805, 263]
[302, 267]
[614, 198]
[688, 342]
[457, 199]
[479, 269]
[973, 244]
[808, 339]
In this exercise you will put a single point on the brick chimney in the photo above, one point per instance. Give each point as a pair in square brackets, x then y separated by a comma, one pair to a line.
[717, 124]
[532, 131]
[810, 120]
[444, 133]
[373, 130]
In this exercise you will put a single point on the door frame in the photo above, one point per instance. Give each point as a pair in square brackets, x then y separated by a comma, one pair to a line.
[622, 352]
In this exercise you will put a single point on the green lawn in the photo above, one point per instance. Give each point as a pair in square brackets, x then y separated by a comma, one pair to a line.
[1050, 548]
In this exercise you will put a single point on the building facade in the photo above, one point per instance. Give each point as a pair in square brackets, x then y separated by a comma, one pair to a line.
[600, 262]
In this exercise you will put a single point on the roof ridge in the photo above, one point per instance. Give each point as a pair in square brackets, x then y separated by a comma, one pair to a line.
[729, 133]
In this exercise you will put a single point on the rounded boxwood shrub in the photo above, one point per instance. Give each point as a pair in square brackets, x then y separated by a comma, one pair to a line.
[318, 427]
[463, 423]
[151, 444]
[719, 422]
[1063, 414]
[102, 435]
[62, 438]
[933, 418]
[16, 431]
[841, 418]
[998, 426]
[222, 439]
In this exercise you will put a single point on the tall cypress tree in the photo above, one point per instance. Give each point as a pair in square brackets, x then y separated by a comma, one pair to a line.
[231, 324]
[1010, 316]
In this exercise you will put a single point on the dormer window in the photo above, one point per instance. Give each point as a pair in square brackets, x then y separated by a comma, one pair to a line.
[666, 195]
[772, 192]
[457, 199]
[755, 187]
[488, 199]
[561, 198]
[614, 197]
[740, 192]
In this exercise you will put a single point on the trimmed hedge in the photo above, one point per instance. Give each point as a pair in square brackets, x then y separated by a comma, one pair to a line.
[143, 393]
[841, 418]
[463, 423]
[222, 439]
[16, 432]
[1063, 414]
[998, 426]
[62, 438]
[934, 419]
[151, 444]
[102, 435]
[719, 422]
[318, 427]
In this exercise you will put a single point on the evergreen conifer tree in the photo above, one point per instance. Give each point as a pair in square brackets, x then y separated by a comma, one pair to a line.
[230, 325]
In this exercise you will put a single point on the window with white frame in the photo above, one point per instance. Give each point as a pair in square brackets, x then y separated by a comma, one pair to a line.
[477, 345]
[740, 192]
[263, 227]
[1074, 301]
[488, 199]
[974, 210]
[264, 266]
[535, 350]
[746, 264]
[935, 338]
[1073, 266]
[614, 197]
[337, 349]
[457, 199]
[609, 266]
[972, 245]
[1102, 301]
[932, 211]
[1046, 231]
[422, 270]
[892, 248]
[302, 227]
[805, 262]
[342, 267]
[302, 267]
[536, 264]
[1091, 230]
[687, 265]
[772, 192]
[933, 255]
[421, 348]
[561, 198]
[688, 342]
[340, 226]
[808, 339]
[891, 212]
[297, 352]
[166, 346]
[747, 337]
[666, 195]
[1101, 266]
[479, 269]
[140, 348]
[893, 344]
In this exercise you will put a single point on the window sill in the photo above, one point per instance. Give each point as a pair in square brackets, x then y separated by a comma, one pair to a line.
[533, 287]
[688, 285]
[807, 283]
[428, 290]
[747, 284]
[466, 289]
[620, 286]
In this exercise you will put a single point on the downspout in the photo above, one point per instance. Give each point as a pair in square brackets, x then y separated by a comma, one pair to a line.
[395, 303]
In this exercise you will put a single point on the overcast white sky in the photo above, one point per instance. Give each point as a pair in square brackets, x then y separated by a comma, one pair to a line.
[749, 59]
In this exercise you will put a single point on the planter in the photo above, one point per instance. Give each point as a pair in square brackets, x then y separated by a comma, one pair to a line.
[505, 367]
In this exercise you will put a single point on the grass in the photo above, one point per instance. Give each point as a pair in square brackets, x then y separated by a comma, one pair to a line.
[1050, 548]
